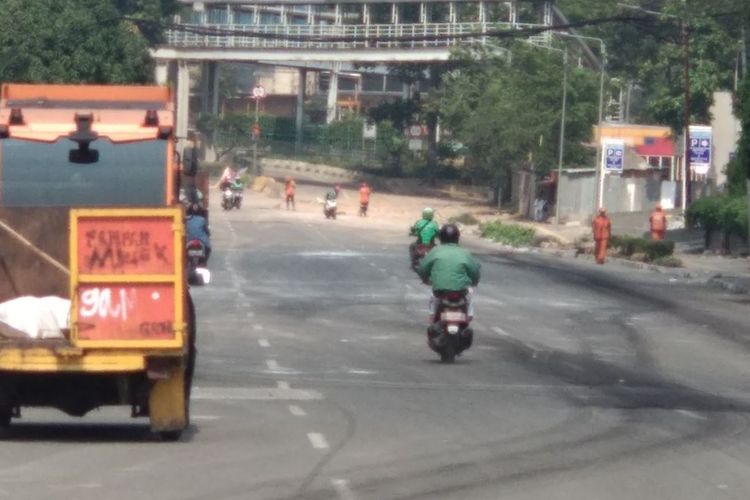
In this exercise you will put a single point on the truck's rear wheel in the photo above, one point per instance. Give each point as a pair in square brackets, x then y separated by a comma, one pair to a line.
[171, 436]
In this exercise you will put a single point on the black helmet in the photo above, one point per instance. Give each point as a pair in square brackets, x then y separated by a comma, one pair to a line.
[449, 233]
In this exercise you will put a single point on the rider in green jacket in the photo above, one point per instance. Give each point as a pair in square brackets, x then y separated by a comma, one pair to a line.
[425, 229]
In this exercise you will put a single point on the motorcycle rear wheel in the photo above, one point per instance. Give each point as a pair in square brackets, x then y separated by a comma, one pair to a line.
[448, 354]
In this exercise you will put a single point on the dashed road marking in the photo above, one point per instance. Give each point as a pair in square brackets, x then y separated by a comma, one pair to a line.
[258, 328]
[250, 314]
[272, 364]
[283, 385]
[318, 441]
[297, 411]
[500, 331]
[204, 417]
[264, 343]
[691, 414]
[343, 489]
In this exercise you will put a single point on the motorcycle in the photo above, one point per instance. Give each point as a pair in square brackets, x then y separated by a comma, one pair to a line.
[419, 252]
[450, 334]
[329, 209]
[231, 197]
[197, 259]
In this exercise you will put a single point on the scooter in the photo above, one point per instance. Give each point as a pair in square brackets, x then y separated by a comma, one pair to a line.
[329, 209]
[420, 250]
[231, 198]
[197, 259]
[450, 333]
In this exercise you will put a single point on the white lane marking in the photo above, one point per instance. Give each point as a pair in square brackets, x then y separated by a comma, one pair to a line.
[500, 331]
[408, 287]
[372, 264]
[258, 328]
[264, 343]
[250, 314]
[691, 414]
[272, 364]
[318, 440]
[297, 411]
[283, 385]
[343, 489]
[254, 394]
[204, 417]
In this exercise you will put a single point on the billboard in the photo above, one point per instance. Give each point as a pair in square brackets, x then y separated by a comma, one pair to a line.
[701, 142]
[613, 155]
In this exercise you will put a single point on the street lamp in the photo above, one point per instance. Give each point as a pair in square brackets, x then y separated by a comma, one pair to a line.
[599, 197]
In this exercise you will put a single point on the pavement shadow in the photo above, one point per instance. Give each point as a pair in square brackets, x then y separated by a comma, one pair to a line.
[87, 433]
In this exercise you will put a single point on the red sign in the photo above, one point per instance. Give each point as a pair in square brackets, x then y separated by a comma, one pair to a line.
[126, 312]
[141, 245]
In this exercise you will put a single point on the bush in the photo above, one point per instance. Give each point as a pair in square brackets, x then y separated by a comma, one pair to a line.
[724, 213]
[465, 218]
[669, 261]
[509, 234]
[629, 246]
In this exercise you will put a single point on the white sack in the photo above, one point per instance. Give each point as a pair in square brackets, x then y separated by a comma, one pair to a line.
[37, 317]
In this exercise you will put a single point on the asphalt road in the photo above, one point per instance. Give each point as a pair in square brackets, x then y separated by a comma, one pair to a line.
[314, 382]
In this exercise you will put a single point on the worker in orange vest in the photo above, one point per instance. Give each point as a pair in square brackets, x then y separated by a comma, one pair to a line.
[602, 228]
[290, 187]
[364, 198]
[658, 223]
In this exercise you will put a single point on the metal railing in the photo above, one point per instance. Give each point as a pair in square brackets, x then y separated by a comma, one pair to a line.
[269, 36]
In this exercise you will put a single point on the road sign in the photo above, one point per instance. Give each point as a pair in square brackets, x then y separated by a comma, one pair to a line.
[259, 92]
[417, 131]
[613, 159]
[256, 129]
[700, 149]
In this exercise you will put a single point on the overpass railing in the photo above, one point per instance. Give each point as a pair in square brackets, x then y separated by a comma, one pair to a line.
[420, 35]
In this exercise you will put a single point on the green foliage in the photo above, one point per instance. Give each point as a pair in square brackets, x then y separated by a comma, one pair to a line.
[506, 109]
[668, 261]
[724, 213]
[508, 234]
[648, 50]
[464, 218]
[630, 246]
[743, 149]
[79, 41]
[398, 113]
[736, 174]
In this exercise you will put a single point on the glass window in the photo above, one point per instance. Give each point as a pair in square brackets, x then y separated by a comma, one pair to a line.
[36, 174]
[217, 16]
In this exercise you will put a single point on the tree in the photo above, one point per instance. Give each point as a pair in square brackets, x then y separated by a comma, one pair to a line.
[79, 41]
[506, 110]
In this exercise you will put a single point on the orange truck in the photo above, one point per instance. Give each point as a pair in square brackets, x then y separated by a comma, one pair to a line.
[89, 213]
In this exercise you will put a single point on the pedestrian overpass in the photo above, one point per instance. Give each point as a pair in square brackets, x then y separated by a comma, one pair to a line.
[321, 35]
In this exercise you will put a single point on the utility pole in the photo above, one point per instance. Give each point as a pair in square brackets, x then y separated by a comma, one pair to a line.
[562, 136]
[686, 179]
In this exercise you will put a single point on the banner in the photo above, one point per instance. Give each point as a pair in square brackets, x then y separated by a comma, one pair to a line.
[613, 156]
[701, 139]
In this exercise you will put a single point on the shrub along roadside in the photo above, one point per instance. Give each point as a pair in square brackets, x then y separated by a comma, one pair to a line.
[727, 214]
[629, 246]
[508, 234]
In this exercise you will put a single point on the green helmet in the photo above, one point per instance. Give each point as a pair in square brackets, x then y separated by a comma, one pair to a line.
[427, 213]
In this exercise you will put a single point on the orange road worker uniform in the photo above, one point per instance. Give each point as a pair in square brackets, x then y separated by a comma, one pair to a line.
[602, 228]
[289, 190]
[658, 223]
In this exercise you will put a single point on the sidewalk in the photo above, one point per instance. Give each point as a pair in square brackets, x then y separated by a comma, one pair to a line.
[729, 273]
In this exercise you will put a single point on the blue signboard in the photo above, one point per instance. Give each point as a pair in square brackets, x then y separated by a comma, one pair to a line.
[700, 149]
[614, 156]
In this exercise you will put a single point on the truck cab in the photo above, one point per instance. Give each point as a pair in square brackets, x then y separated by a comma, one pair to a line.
[89, 214]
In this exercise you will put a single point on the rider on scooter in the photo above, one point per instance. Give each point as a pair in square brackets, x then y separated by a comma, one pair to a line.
[425, 229]
[449, 268]
[196, 227]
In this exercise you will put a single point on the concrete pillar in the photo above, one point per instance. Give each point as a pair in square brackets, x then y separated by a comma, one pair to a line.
[452, 17]
[215, 90]
[161, 73]
[333, 91]
[205, 86]
[300, 118]
[182, 103]
[394, 13]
